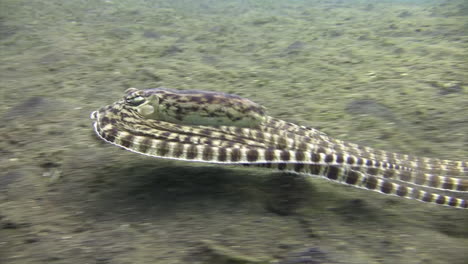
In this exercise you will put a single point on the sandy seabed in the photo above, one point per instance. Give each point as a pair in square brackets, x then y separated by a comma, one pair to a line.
[386, 74]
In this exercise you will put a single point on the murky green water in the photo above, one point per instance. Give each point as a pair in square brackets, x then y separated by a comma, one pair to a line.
[387, 74]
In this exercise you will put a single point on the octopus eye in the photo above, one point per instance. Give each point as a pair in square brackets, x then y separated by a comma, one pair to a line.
[135, 101]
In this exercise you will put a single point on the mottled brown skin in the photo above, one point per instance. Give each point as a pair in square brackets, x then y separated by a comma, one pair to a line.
[193, 107]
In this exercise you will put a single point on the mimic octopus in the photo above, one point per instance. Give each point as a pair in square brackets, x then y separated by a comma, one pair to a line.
[213, 127]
